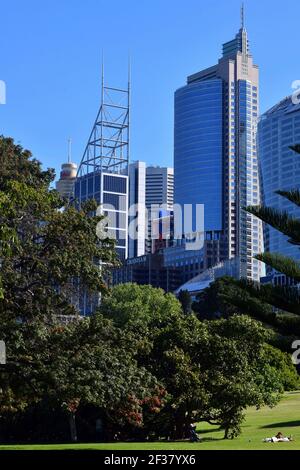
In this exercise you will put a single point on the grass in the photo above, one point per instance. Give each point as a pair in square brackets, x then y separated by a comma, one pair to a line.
[259, 424]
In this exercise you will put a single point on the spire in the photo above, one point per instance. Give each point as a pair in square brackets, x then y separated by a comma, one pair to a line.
[242, 16]
[240, 42]
[69, 150]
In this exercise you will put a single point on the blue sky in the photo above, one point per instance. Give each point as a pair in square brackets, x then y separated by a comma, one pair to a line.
[50, 59]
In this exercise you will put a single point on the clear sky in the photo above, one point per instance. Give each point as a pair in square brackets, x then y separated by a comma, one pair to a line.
[50, 59]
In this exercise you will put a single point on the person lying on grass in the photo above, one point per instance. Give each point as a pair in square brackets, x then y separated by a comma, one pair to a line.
[278, 438]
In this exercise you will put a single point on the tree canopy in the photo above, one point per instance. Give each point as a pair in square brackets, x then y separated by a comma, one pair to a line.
[211, 371]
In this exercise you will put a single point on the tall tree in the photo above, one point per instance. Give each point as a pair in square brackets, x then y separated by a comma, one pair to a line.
[46, 253]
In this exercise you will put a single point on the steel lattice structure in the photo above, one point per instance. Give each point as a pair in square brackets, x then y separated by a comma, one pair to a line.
[107, 149]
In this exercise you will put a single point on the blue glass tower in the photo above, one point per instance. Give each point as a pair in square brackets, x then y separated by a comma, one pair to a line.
[280, 167]
[199, 149]
[215, 155]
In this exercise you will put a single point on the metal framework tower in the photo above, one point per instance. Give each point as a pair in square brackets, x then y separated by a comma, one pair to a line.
[103, 172]
[107, 149]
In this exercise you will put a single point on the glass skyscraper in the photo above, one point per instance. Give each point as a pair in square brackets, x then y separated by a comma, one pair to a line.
[198, 148]
[215, 155]
[280, 167]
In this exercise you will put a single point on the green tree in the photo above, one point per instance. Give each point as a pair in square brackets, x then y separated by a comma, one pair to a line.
[211, 371]
[47, 254]
[227, 296]
[17, 164]
[185, 299]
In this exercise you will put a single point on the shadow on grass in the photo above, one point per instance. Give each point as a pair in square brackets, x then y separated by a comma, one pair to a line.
[208, 431]
[210, 439]
[286, 424]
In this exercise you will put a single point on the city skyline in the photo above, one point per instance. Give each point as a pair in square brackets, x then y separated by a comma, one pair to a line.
[71, 80]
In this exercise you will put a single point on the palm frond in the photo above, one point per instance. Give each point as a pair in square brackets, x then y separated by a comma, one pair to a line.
[292, 195]
[295, 148]
[282, 264]
[284, 298]
[281, 221]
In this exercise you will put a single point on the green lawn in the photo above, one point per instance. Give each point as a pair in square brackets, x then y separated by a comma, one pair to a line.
[259, 424]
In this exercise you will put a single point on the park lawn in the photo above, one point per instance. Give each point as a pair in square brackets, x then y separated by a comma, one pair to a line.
[259, 424]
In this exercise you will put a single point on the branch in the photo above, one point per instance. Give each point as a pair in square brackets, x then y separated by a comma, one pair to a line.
[282, 264]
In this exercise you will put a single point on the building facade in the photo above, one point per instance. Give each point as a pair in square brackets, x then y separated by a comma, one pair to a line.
[159, 192]
[110, 191]
[149, 269]
[65, 184]
[279, 128]
[159, 186]
[215, 154]
[137, 209]
[149, 189]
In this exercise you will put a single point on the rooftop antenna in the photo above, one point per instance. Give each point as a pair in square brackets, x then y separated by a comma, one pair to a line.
[128, 104]
[129, 68]
[102, 75]
[69, 150]
[242, 16]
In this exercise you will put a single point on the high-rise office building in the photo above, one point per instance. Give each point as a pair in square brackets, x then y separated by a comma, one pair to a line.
[279, 128]
[159, 186]
[149, 189]
[215, 155]
[103, 173]
[137, 209]
[159, 192]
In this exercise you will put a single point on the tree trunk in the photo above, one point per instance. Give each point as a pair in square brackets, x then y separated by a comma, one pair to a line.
[73, 430]
[181, 425]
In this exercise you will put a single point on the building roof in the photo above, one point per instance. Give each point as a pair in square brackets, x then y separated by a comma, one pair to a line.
[285, 106]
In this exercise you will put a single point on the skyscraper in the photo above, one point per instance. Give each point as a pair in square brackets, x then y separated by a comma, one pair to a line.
[159, 192]
[149, 188]
[215, 155]
[103, 172]
[159, 186]
[137, 210]
[279, 128]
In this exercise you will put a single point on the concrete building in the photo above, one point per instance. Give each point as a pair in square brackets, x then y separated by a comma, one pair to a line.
[149, 189]
[159, 192]
[137, 209]
[159, 186]
[215, 155]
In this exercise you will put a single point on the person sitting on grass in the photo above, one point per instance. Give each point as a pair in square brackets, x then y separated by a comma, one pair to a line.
[278, 438]
[193, 434]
